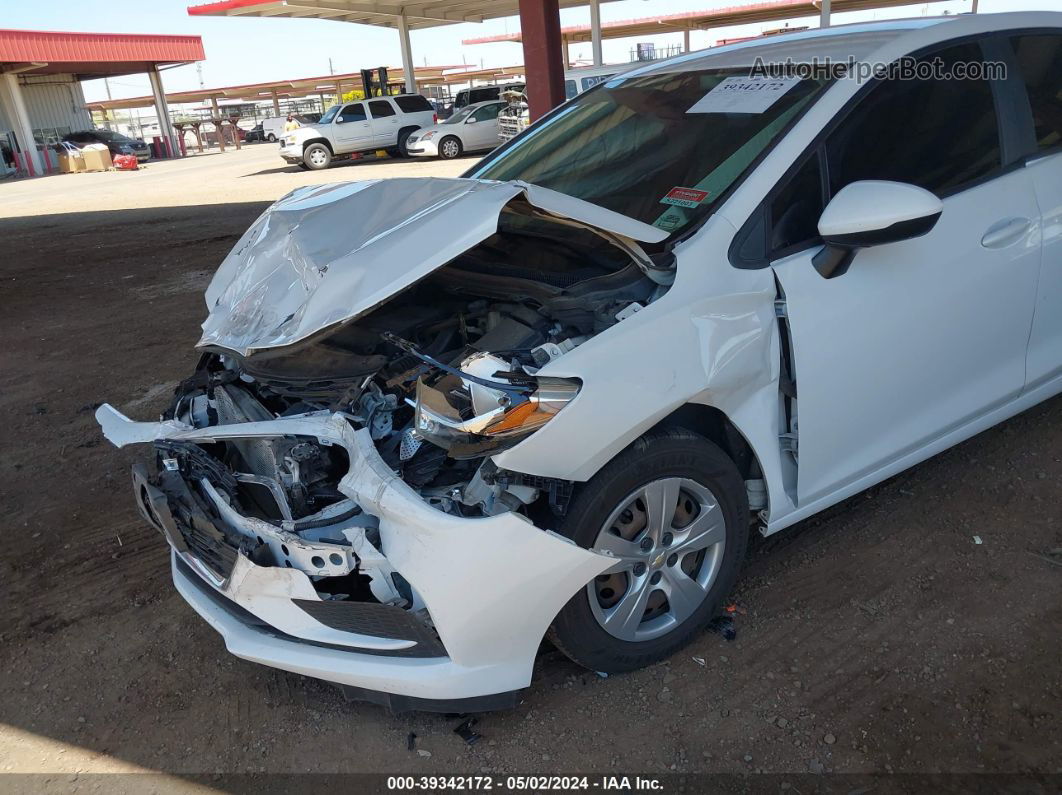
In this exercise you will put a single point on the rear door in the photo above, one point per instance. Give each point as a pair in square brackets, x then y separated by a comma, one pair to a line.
[384, 123]
[351, 130]
[919, 337]
[1039, 60]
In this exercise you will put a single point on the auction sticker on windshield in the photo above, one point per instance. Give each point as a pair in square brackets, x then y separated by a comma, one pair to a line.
[743, 95]
[684, 197]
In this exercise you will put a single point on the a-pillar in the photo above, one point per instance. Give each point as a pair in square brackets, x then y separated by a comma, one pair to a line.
[543, 55]
[162, 111]
[407, 55]
[11, 100]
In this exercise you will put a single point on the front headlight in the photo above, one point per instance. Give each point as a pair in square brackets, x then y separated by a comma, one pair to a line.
[428, 136]
[486, 409]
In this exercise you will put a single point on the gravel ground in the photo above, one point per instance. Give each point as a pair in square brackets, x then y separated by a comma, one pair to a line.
[877, 638]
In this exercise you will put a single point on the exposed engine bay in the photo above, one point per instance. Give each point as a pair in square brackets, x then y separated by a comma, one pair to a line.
[442, 375]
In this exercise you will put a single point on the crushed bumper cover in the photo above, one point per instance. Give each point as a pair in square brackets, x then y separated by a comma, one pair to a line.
[490, 585]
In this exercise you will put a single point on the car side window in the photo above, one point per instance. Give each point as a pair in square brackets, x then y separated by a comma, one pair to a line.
[355, 112]
[487, 112]
[940, 133]
[381, 108]
[1040, 62]
[793, 215]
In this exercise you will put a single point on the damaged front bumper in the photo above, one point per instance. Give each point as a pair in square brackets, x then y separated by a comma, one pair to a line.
[484, 590]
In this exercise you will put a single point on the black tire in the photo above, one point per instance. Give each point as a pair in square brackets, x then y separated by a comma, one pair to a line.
[403, 143]
[272, 138]
[659, 454]
[455, 149]
[317, 157]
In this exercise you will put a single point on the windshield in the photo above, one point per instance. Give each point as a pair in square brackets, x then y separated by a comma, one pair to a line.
[661, 148]
[329, 114]
[459, 116]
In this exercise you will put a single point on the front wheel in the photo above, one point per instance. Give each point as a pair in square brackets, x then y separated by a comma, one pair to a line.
[673, 511]
[316, 157]
[449, 148]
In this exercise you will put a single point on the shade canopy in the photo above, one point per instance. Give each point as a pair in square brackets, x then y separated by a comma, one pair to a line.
[746, 13]
[387, 14]
[91, 55]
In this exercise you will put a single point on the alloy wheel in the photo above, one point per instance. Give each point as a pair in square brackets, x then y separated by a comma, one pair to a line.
[450, 148]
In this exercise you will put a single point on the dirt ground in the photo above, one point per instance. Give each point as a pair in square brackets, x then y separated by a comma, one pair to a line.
[878, 638]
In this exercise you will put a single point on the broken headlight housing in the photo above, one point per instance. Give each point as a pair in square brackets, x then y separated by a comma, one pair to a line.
[483, 408]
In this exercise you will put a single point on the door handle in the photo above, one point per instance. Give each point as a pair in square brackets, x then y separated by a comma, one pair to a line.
[1006, 232]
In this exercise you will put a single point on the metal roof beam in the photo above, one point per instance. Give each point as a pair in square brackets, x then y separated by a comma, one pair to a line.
[412, 10]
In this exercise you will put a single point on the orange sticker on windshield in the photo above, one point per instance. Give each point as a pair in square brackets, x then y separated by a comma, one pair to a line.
[684, 197]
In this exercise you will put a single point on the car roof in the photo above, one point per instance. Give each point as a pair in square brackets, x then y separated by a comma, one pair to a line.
[855, 42]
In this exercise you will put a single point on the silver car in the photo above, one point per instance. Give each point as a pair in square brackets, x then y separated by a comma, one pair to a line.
[471, 129]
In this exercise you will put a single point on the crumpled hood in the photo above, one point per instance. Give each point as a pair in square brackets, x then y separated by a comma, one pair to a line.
[324, 255]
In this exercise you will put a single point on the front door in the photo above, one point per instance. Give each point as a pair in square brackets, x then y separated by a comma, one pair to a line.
[483, 132]
[352, 130]
[919, 337]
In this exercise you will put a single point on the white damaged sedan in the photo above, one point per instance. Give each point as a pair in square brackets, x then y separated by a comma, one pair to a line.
[438, 420]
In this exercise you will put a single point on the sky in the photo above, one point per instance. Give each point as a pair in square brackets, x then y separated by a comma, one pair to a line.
[251, 50]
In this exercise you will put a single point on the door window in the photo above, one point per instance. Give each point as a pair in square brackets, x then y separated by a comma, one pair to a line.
[1040, 62]
[940, 133]
[487, 112]
[381, 108]
[355, 112]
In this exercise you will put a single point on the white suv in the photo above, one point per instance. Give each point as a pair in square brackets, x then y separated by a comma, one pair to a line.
[436, 420]
[355, 127]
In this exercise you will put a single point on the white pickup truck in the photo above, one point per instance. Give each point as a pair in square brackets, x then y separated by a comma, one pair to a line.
[361, 126]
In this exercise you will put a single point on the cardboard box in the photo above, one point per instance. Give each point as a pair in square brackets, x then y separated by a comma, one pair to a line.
[97, 157]
[70, 160]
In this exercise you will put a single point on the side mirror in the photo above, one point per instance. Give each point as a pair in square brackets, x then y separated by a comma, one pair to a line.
[872, 213]
[471, 120]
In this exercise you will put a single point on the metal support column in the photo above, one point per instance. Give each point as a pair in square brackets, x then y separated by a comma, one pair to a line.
[162, 111]
[407, 55]
[276, 103]
[824, 17]
[11, 99]
[686, 40]
[543, 55]
[595, 30]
